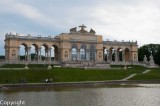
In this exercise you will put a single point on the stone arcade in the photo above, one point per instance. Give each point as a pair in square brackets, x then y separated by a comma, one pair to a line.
[79, 48]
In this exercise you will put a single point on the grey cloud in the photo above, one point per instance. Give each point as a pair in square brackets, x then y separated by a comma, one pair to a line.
[114, 19]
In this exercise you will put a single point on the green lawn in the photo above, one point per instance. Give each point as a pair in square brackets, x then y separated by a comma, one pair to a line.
[13, 66]
[133, 66]
[91, 75]
[32, 66]
[154, 74]
[35, 75]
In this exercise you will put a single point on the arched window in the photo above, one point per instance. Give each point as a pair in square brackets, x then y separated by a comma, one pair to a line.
[74, 52]
[92, 52]
[54, 52]
[23, 51]
[83, 52]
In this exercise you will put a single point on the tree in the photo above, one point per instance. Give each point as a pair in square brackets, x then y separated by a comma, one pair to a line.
[2, 57]
[147, 50]
[157, 57]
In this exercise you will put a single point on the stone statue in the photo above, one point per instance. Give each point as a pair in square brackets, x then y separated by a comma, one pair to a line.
[151, 62]
[92, 31]
[145, 59]
[73, 30]
[82, 30]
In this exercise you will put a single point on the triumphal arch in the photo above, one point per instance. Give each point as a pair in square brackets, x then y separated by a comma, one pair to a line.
[79, 45]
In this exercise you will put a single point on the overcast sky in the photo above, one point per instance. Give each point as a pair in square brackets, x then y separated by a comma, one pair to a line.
[114, 19]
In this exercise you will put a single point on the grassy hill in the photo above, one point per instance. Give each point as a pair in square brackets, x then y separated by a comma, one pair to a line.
[38, 74]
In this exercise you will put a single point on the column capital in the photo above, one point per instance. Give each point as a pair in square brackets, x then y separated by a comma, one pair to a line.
[49, 48]
[87, 50]
[29, 48]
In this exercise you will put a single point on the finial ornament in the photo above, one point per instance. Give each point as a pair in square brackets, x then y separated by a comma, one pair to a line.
[82, 30]
[82, 27]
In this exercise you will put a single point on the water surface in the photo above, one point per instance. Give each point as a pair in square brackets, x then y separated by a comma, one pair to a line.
[145, 95]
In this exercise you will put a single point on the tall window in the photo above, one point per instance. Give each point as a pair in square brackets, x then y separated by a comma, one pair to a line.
[92, 52]
[74, 52]
[83, 52]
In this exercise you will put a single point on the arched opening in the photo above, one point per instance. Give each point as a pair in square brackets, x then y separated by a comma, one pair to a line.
[34, 52]
[105, 54]
[54, 53]
[119, 55]
[44, 52]
[83, 52]
[92, 52]
[127, 55]
[112, 54]
[74, 52]
[23, 52]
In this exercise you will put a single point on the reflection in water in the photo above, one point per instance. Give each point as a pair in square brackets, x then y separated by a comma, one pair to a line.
[146, 95]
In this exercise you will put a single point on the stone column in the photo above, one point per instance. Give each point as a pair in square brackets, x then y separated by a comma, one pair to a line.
[78, 54]
[116, 59]
[107, 55]
[39, 54]
[49, 54]
[56, 54]
[117, 56]
[87, 54]
[130, 57]
[6, 57]
[103, 55]
[70, 55]
[6, 54]
[46, 54]
[110, 56]
[25, 57]
[123, 56]
[59, 58]
[96, 54]
[19, 54]
[29, 54]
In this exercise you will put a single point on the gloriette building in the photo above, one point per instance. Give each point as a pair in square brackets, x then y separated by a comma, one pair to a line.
[77, 45]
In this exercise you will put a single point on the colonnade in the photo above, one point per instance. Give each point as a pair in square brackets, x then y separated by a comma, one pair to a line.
[89, 54]
[78, 55]
[125, 56]
[38, 53]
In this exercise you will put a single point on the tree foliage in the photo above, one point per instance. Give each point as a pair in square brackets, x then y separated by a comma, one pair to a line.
[149, 49]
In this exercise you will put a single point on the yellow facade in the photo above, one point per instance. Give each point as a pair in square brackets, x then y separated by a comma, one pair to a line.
[79, 45]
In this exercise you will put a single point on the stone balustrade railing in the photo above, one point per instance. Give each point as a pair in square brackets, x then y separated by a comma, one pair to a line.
[120, 43]
[16, 36]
